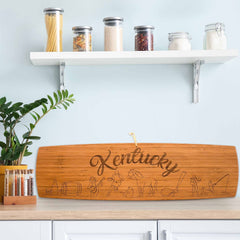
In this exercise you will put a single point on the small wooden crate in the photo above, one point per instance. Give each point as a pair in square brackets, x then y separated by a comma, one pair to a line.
[19, 200]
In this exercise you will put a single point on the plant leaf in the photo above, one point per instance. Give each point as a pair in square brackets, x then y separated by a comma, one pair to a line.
[25, 135]
[64, 106]
[2, 144]
[26, 154]
[6, 134]
[56, 97]
[51, 100]
[65, 102]
[34, 117]
[32, 126]
[60, 95]
[66, 93]
[33, 138]
[45, 107]
[38, 116]
[2, 100]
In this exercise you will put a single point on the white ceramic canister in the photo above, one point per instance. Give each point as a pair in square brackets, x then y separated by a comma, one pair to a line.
[179, 41]
[215, 37]
[113, 34]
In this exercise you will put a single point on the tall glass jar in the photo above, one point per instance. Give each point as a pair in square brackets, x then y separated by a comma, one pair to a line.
[144, 38]
[54, 25]
[215, 37]
[113, 34]
[82, 38]
[179, 41]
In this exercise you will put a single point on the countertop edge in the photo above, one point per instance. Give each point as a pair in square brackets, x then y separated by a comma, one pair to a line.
[122, 215]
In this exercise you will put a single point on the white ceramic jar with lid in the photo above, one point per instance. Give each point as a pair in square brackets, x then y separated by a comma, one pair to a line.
[179, 41]
[215, 37]
[113, 34]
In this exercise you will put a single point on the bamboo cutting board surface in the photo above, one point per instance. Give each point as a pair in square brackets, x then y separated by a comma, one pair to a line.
[146, 172]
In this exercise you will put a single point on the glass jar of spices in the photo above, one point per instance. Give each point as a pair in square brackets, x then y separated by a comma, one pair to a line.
[54, 25]
[82, 39]
[113, 34]
[179, 41]
[215, 38]
[144, 38]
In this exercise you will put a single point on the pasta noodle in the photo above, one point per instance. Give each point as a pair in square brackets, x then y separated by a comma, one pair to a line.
[54, 24]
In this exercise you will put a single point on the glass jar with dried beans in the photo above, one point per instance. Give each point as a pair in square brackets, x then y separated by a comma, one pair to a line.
[82, 39]
[144, 38]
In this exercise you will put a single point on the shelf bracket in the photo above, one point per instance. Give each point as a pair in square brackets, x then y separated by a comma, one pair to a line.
[61, 75]
[196, 76]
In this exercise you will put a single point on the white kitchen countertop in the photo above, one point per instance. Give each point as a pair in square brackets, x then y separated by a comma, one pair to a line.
[59, 209]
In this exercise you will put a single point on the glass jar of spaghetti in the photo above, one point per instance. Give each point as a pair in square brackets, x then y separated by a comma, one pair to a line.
[54, 25]
[82, 39]
[144, 38]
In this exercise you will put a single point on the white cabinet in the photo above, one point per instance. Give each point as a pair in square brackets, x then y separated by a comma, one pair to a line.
[199, 230]
[121, 230]
[105, 230]
[25, 230]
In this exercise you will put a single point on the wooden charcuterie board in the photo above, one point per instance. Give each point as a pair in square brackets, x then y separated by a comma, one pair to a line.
[146, 172]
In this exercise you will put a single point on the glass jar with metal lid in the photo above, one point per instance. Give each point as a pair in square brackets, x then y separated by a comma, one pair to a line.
[215, 37]
[54, 25]
[82, 39]
[144, 38]
[179, 41]
[113, 34]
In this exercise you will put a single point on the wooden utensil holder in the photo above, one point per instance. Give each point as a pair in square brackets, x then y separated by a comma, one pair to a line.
[19, 200]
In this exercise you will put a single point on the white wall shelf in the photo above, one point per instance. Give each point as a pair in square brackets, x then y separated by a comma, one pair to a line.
[195, 57]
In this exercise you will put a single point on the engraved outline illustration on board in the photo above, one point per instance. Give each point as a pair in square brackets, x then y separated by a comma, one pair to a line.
[134, 184]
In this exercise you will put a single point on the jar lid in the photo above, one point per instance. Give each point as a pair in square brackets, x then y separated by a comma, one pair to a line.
[110, 19]
[175, 35]
[215, 26]
[52, 10]
[81, 28]
[143, 27]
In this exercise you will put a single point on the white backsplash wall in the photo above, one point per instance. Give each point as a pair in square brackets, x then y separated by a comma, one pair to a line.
[152, 101]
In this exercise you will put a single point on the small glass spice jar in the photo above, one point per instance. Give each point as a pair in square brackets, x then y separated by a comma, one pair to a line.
[144, 38]
[179, 41]
[82, 38]
[113, 34]
[215, 37]
[54, 26]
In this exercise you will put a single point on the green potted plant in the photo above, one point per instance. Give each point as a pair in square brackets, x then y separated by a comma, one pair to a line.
[14, 148]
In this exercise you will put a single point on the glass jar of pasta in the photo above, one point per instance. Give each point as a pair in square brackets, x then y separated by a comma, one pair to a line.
[82, 38]
[54, 25]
